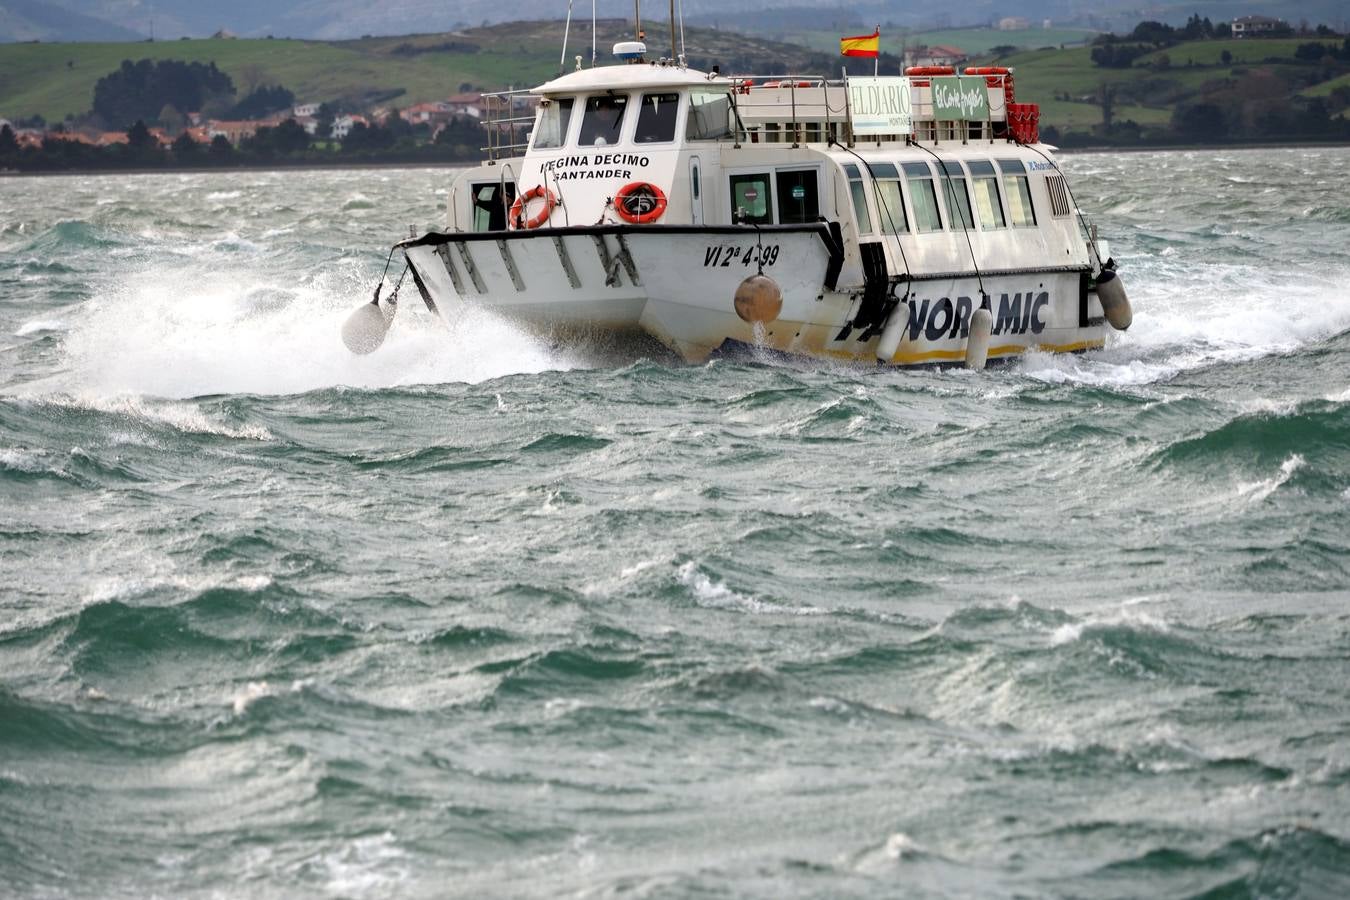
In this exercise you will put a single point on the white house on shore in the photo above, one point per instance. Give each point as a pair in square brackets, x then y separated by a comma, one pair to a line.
[1255, 26]
[342, 125]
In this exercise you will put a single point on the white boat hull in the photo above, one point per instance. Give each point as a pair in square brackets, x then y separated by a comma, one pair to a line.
[677, 283]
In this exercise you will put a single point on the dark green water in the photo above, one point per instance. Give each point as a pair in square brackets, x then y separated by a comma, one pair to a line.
[479, 617]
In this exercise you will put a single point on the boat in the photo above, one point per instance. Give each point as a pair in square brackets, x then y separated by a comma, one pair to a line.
[907, 221]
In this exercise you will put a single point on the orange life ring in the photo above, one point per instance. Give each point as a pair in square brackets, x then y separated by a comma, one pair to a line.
[518, 208]
[640, 202]
[931, 70]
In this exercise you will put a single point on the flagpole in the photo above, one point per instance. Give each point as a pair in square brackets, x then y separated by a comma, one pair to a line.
[876, 60]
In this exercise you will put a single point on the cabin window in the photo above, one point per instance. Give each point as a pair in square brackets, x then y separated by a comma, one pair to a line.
[490, 205]
[1020, 210]
[603, 120]
[923, 195]
[954, 191]
[859, 194]
[710, 116]
[890, 200]
[798, 196]
[656, 119]
[987, 204]
[551, 130]
[751, 194]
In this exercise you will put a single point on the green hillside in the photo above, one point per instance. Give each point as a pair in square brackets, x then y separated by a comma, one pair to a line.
[57, 80]
[1258, 78]
[971, 40]
[1068, 85]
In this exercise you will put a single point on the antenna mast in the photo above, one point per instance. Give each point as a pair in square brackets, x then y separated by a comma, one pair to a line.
[672, 31]
[683, 50]
[562, 60]
[637, 20]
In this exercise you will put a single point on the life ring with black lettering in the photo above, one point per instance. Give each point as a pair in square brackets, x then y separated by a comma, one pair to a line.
[640, 202]
[538, 192]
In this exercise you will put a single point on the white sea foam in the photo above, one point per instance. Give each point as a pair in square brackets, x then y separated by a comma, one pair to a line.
[199, 330]
[22, 459]
[1257, 491]
[252, 692]
[366, 866]
[716, 595]
[158, 577]
[179, 416]
[1188, 316]
[1126, 614]
[38, 326]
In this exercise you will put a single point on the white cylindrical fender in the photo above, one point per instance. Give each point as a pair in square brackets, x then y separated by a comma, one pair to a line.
[1115, 305]
[977, 343]
[891, 334]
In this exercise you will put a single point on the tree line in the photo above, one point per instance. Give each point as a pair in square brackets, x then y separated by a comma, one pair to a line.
[284, 144]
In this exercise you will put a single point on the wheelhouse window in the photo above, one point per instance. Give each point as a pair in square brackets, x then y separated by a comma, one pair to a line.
[711, 116]
[859, 194]
[954, 191]
[656, 119]
[988, 207]
[750, 195]
[551, 129]
[798, 196]
[890, 200]
[923, 194]
[603, 120]
[1019, 193]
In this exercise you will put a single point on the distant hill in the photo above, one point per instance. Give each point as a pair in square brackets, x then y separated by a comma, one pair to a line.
[345, 19]
[39, 20]
[57, 80]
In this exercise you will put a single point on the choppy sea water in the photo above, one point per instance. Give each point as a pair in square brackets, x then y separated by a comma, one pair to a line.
[476, 616]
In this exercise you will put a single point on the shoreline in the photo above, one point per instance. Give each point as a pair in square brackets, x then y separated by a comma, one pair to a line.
[1191, 148]
[465, 164]
[227, 170]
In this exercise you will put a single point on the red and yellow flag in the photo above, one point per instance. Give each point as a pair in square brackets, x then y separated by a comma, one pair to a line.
[868, 45]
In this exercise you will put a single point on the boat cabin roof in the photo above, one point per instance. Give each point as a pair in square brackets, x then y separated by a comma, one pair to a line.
[629, 77]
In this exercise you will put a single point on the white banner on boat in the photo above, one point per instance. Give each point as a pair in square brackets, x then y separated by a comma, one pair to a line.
[880, 105]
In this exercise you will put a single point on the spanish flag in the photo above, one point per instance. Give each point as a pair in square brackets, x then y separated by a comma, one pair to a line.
[868, 45]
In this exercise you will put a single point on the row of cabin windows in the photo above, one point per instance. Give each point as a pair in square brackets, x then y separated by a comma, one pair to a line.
[603, 117]
[924, 189]
[752, 199]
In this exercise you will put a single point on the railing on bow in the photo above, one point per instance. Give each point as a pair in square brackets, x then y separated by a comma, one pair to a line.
[507, 118]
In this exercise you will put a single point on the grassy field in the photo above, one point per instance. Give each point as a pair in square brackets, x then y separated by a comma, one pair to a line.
[972, 40]
[1244, 52]
[1043, 74]
[56, 80]
[1325, 88]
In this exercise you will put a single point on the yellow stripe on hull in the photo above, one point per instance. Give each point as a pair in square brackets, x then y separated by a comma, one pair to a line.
[928, 356]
